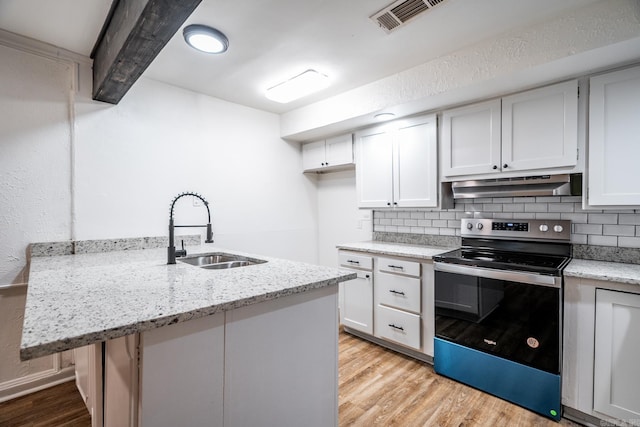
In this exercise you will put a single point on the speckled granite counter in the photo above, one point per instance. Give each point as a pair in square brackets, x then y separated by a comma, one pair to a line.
[601, 270]
[395, 249]
[75, 300]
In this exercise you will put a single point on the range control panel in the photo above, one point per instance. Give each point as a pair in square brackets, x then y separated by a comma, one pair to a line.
[520, 229]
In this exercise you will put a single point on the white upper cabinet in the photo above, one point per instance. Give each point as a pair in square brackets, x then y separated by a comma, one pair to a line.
[540, 128]
[331, 154]
[536, 130]
[396, 164]
[614, 144]
[471, 139]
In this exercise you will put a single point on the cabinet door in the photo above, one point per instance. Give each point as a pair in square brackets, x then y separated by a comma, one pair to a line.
[183, 363]
[374, 185]
[339, 150]
[617, 351]
[313, 155]
[471, 139]
[357, 302]
[614, 147]
[415, 165]
[540, 128]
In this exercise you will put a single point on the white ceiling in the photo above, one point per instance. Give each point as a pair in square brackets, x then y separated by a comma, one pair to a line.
[272, 40]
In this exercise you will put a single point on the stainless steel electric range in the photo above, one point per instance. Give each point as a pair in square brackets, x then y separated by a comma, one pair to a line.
[499, 310]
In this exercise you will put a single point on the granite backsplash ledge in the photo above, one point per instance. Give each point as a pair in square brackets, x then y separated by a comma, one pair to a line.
[73, 247]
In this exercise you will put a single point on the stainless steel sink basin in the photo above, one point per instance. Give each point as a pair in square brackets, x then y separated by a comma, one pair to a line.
[219, 261]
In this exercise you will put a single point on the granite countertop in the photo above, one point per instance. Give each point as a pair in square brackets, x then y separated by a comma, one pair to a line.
[76, 300]
[396, 249]
[604, 270]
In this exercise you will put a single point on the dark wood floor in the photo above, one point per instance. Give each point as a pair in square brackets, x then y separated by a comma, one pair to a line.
[56, 406]
[378, 387]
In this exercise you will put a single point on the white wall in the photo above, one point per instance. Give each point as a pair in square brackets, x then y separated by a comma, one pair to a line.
[339, 219]
[72, 168]
[160, 140]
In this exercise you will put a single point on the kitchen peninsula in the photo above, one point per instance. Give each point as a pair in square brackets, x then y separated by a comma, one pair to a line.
[254, 345]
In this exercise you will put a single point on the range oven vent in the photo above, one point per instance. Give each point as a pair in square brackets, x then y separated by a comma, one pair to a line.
[400, 12]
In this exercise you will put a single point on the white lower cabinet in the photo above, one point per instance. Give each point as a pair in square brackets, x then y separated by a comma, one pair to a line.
[601, 350]
[398, 326]
[394, 307]
[274, 363]
[356, 296]
[616, 381]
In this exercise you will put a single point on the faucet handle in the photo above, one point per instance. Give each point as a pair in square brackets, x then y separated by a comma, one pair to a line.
[181, 252]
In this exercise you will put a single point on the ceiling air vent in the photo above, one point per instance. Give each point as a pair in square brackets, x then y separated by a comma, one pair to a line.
[400, 12]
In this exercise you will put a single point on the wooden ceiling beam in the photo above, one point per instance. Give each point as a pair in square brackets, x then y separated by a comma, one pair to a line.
[135, 33]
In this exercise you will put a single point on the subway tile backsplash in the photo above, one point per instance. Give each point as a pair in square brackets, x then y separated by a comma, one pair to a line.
[589, 227]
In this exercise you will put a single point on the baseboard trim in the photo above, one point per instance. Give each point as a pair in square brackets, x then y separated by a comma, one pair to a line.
[35, 382]
[391, 346]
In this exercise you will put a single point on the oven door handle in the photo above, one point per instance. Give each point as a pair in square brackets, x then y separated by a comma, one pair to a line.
[511, 276]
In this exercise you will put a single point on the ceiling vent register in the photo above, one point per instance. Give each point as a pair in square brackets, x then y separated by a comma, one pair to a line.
[400, 12]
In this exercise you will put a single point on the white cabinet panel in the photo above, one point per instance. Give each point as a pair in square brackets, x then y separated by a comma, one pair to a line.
[331, 154]
[534, 131]
[398, 326]
[356, 309]
[339, 150]
[614, 147]
[400, 266]
[396, 164]
[183, 363]
[313, 155]
[415, 165]
[471, 139]
[356, 296]
[617, 352]
[121, 382]
[281, 364]
[540, 128]
[402, 292]
[374, 169]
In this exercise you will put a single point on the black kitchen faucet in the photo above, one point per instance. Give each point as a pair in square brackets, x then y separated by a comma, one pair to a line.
[172, 253]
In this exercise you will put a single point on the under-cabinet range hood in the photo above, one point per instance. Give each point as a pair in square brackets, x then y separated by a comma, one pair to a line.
[543, 185]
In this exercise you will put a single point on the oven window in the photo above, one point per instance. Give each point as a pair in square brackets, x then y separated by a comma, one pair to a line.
[516, 321]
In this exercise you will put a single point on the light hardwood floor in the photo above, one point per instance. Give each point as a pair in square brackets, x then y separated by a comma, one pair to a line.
[378, 387]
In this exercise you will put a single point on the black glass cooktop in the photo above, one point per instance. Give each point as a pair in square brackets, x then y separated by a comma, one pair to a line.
[506, 260]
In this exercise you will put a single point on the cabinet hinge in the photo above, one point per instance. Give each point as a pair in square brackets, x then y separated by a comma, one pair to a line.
[578, 91]
[577, 154]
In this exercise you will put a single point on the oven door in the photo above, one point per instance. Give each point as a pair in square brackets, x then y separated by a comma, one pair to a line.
[512, 315]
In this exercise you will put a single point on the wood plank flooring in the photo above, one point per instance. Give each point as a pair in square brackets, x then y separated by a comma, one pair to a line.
[378, 387]
[59, 406]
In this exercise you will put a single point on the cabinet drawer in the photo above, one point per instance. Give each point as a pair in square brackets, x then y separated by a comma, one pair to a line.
[398, 326]
[401, 292]
[348, 259]
[409, 268]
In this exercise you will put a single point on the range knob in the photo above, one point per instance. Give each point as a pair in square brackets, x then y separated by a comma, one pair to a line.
[558, 228]
[469, 226]
[544, 227]
[479, 226]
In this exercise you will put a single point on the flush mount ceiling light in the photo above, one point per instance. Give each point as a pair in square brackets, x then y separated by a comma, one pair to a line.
[303, 84]
[205, 39]
[382, 117]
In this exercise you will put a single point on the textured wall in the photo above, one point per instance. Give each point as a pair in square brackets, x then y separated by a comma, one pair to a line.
[548, 51]
[34, 155]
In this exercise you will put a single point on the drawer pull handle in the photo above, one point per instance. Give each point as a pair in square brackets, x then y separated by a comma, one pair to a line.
[350, 261]
[396, 266]
[393, 291]
[400, 328]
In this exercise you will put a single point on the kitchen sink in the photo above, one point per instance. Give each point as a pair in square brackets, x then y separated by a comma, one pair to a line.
[219, 261]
